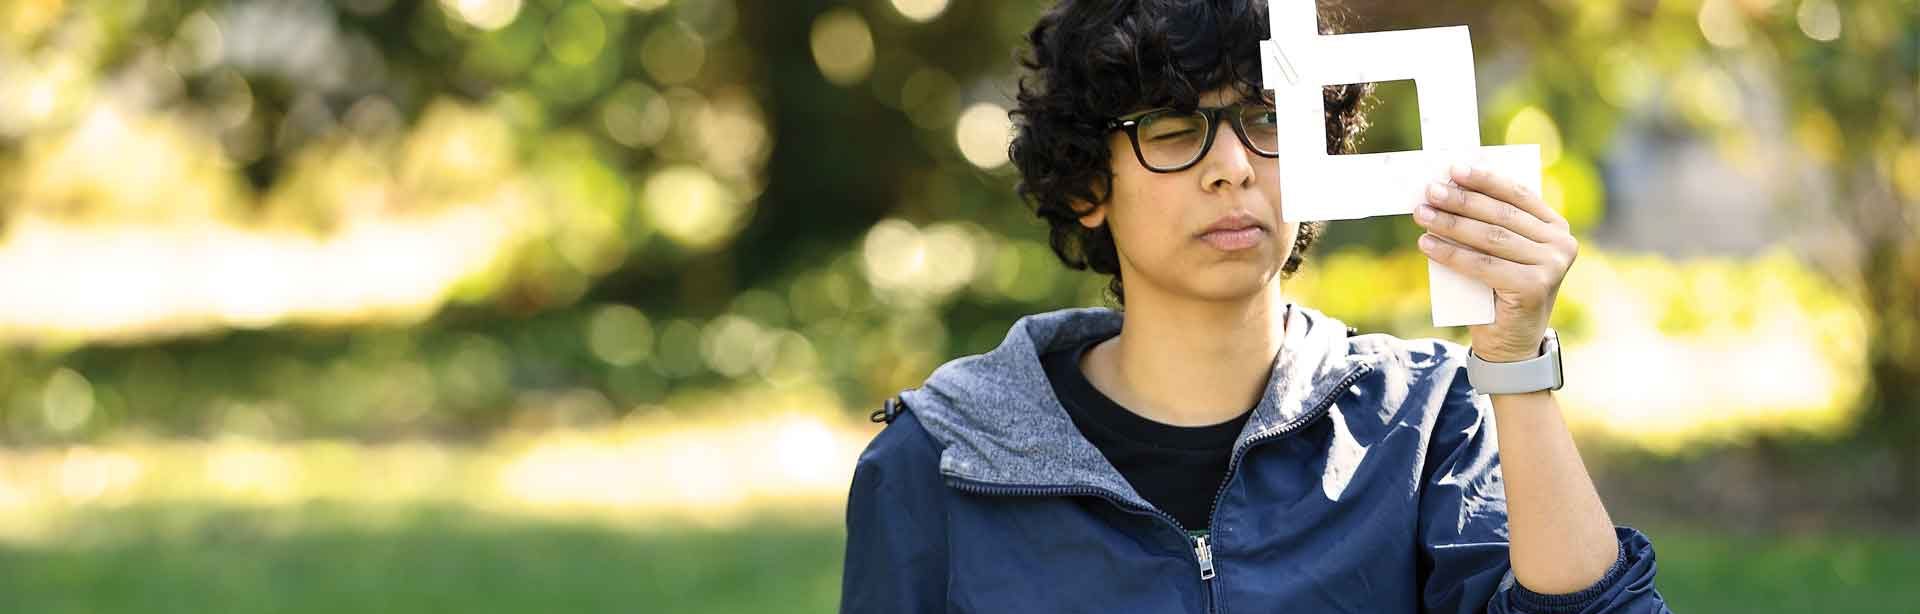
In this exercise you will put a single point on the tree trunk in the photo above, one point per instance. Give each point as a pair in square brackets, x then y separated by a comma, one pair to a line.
[1892, 412]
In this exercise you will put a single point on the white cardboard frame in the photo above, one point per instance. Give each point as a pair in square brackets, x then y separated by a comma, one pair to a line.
[1298, 62]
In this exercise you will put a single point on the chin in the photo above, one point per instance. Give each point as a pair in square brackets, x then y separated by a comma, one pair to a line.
[1241, 286]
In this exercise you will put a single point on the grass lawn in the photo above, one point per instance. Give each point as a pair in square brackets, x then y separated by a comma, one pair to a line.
[1704, 572]
[157, 559]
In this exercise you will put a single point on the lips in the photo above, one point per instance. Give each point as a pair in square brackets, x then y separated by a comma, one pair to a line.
[1235, 231]
[1234, 240]
[1230, 240]
[1238, 220]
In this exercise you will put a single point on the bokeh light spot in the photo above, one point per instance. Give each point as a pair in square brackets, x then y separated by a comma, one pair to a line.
[692, 208]
[731, 345]
[920, 10]
[788, 358]
[636, 115]
[577, 35]
[1722, 24]
[983, 133]
[906, 262]
[1532, 125]
[67, 401]
[679, 348]
[893, 253]
[1625, 79]
[732, 133]
[1819, 20]
[619, 335]
[484, 14]
[673, 54]
[842, 46]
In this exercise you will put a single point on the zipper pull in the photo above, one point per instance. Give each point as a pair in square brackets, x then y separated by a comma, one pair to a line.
[1205, 553]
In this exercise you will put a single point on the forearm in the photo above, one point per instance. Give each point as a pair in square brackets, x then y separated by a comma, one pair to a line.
[1561, 539]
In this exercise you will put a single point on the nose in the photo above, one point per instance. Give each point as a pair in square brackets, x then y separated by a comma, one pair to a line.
[1228, 163]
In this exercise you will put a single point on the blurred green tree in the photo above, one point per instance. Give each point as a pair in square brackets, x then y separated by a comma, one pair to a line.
[698, 159]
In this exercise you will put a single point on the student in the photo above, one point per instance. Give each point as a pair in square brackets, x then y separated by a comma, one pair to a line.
[1213, 446]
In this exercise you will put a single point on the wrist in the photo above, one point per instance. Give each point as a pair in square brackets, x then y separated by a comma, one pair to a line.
[1503, 371]
[1510, 348]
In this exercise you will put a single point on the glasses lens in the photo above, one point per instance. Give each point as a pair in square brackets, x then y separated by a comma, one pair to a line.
[1171, 138]
[1263, 127]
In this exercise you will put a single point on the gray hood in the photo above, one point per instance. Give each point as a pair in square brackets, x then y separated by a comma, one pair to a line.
[999, 422]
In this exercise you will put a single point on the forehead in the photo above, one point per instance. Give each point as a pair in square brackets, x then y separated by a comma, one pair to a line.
[1221, 97]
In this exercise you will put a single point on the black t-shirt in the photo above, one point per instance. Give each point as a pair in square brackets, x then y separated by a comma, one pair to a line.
[1176, 468]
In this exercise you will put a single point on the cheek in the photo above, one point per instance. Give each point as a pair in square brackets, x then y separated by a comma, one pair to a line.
[1148, 226]
[1140, 206]
[1145, 202]
[1269, 180]
[1284, 236]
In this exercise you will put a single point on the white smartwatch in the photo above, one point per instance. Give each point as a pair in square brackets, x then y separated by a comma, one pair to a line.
[1532, 375]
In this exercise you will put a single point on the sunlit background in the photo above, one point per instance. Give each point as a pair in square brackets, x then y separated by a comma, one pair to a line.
[580, 305]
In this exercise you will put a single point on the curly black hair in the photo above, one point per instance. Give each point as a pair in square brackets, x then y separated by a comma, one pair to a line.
[1092, 60]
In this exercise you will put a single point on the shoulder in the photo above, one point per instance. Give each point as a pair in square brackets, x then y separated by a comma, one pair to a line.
[901, 453]
[1424, 357]
[1389, 354]
[1425, 380]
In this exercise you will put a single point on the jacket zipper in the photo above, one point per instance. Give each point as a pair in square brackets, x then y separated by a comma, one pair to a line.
[1202, 550]
[1204, 553]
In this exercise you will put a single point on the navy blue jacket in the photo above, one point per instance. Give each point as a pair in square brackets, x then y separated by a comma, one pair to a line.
[1366, 480]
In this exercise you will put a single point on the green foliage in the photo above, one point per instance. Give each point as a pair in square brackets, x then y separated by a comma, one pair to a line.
[756, 195]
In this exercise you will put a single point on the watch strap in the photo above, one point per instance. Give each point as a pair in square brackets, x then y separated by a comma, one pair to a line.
[1542, 372]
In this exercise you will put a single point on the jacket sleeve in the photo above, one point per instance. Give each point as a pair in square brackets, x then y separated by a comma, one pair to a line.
[1464, 564]
[896, 559]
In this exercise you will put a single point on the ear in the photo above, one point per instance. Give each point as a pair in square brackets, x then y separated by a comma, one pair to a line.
[1096, 214]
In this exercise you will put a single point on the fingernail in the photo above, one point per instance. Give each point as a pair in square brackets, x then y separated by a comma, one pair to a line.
[1436, 192]
[1426, 242]
[1423, 213]
[1460, 169]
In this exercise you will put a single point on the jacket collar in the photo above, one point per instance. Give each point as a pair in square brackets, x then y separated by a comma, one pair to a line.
[999, 422]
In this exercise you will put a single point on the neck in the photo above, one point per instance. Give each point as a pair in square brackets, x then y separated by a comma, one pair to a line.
[1191, 363]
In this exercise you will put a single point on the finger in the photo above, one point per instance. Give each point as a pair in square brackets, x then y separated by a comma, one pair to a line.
[1485, 208]
[1493, 271]
[1481, 236]
[1487, 182]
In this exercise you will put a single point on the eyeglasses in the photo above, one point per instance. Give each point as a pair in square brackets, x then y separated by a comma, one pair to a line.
[1170, 140]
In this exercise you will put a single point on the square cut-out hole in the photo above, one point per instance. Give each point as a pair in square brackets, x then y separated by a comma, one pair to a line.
[1393, 115]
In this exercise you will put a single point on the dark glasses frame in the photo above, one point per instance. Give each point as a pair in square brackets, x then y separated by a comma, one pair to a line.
[1131, 124]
